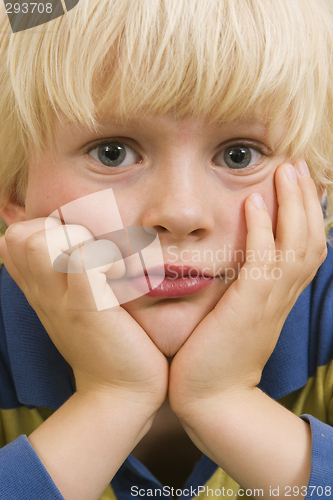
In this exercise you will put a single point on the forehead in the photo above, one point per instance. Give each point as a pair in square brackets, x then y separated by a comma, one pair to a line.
[109, 117]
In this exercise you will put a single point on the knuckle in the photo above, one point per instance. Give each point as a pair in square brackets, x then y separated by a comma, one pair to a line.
[13, 232]
[320, 250]
[266, 226]
[301, 250]
[35, 242]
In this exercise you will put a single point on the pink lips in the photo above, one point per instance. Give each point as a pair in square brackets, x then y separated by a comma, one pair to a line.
[178, 282]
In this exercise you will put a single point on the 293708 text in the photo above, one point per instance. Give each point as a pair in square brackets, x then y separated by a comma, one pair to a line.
[310, 491]
[28, 8]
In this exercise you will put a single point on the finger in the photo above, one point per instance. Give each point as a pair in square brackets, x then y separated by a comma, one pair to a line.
[14, 250]
[87, 281]
[47, 257]
[317, 248]
[291, 228]
[260, 250]
[98, 254]
[62, 240]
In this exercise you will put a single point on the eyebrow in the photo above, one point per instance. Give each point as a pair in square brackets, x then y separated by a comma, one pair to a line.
[107, 122]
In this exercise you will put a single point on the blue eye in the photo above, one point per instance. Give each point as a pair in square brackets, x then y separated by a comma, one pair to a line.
[115, 154]
[237, 157]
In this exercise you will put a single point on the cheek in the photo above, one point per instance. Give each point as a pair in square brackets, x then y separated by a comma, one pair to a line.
[267, 190]
[233, 226]
[48, 190]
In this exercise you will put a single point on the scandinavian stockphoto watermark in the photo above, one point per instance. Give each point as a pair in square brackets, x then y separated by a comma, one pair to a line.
[227, 263]
[24, 15]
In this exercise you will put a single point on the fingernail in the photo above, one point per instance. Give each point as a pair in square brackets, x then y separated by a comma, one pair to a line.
[257, 200]
[303, 168]
[291, 173]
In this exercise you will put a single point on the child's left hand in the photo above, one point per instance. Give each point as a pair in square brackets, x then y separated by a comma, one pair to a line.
[220, 364]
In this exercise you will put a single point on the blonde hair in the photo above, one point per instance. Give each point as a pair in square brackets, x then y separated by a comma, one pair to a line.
[215, 58]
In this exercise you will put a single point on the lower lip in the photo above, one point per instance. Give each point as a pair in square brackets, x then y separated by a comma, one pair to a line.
[171, 288]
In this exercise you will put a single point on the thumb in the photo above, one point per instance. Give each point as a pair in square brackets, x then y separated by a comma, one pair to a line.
[96, 259]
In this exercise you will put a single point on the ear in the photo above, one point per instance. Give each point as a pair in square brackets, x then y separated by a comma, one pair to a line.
[12, 212]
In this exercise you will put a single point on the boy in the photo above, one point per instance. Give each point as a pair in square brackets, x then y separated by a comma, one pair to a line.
[200, 117]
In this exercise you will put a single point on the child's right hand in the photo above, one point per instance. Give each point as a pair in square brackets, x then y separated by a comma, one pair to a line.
[120, 374]
[107, 350]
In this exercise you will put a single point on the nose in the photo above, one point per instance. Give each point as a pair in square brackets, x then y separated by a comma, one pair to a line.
[180, 205]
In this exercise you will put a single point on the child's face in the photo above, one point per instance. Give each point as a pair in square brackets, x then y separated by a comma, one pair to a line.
[173, 178]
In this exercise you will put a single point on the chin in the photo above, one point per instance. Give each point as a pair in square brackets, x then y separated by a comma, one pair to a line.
[169, 323]
[169, 332]
[170, 340]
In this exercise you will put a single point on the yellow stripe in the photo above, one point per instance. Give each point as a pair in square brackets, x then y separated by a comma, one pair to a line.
[18, 421]
[221, 485]
[315, 398]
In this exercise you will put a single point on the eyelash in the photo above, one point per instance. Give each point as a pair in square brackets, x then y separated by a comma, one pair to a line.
[261, 150]
[121, 141]
[241, 171]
